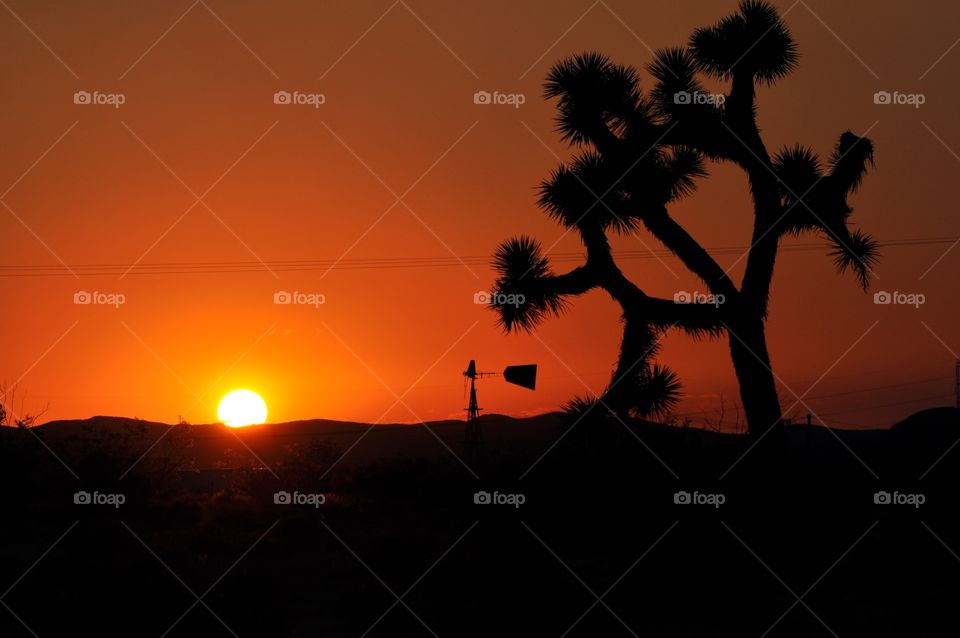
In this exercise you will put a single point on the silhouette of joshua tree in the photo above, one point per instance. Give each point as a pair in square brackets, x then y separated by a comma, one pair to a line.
[638, 154]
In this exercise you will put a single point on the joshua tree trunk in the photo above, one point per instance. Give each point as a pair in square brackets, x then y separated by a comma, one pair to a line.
[751, 362]
[634, 350]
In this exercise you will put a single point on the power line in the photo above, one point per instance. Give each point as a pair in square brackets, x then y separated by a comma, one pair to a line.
[300, 265]
[890, 405]
[847, 393]
[875, 388]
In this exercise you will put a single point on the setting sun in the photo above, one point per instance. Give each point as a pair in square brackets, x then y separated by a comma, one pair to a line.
[241, 408]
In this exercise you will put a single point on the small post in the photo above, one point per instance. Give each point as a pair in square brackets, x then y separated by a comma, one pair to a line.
[956, 374]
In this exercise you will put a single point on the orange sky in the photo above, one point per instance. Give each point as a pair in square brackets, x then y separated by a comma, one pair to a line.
[291, 182]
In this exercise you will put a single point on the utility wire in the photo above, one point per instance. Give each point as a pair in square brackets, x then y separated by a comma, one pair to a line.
[878, 387]
[847, 393]
[889, 405]
[296, 265]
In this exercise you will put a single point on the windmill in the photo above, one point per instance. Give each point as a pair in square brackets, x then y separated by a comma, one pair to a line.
[524, 376]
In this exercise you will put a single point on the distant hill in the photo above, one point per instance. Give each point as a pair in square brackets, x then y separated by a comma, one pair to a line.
[104, 423]
[932, 426]
[935, 418]
[212, 444]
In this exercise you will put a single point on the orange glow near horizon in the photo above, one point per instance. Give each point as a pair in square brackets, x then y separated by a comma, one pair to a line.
[101, 184]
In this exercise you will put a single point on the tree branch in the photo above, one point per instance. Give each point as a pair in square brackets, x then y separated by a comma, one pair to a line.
[696, 258]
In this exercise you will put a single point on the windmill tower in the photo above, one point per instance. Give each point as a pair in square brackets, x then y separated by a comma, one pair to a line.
[473, 437]
[523, 375]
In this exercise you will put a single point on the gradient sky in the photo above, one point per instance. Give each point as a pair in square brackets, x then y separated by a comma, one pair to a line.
[94, 184]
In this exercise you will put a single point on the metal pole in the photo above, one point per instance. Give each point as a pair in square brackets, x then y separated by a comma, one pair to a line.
[956, 374]
[473, 436]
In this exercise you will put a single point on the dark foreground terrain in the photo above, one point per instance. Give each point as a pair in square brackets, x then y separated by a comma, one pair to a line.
[808, 532]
